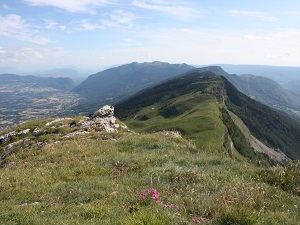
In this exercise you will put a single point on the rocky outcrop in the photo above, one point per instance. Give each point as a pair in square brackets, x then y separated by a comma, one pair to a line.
[101, 120]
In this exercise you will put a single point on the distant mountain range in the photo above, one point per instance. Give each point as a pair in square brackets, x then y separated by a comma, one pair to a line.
[281, 74]
[74, 74]
[118, 83]
[115, 84]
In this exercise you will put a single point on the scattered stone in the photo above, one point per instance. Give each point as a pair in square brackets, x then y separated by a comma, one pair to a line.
[7, 137]
[76, 133]
[23, 132]
[38, 144]
[8, 149]
[176, 134]
[34, 203]
[56, 121]
[36, 132]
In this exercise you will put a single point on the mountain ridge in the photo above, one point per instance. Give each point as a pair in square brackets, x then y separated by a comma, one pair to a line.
[118, 83]
[187, 84]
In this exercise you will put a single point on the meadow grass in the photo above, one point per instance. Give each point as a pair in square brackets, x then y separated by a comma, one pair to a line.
[199, 120]
[88, 180]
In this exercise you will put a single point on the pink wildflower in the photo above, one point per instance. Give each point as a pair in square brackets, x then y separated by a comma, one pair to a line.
[153, 194]
[170, 206]
[198, 220]
[142, 195]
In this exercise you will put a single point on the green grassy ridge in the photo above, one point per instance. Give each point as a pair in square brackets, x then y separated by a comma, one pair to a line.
[87, 180]
[268, 125]
[192, 83]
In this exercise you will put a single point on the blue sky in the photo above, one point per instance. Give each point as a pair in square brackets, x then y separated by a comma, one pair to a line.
[92, 34]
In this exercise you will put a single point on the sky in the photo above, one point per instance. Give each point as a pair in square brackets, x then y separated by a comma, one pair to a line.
[92, 34]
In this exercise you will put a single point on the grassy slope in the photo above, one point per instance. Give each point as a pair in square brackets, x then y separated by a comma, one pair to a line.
[270, 126]
[199, 121]
[185, 104]
[89, 180]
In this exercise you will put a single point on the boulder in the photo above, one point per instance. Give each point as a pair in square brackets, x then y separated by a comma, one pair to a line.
[36, 132]
[105, 111]
[23, 132]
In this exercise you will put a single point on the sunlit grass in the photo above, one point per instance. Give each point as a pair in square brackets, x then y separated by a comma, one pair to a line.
[96, 181]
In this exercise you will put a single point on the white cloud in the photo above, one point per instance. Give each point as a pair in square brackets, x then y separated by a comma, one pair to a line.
[27, 54]
[173, 8]
[70, 5]
[87, 25]
[62, 27]
[212, 46]
[253, 14]
[6, 7]
[257, 37]
[115, 18]
[50, 24]
[13, 26]
[121, 17]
